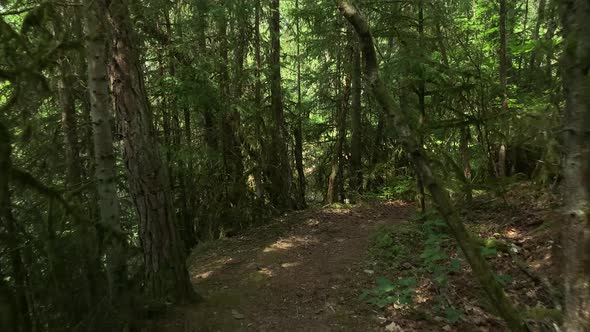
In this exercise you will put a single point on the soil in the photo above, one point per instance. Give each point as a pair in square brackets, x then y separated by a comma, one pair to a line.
[307, 270]
[302, 273]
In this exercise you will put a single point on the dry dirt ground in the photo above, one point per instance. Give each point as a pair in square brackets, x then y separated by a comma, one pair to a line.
[307, 271]
[303, 273]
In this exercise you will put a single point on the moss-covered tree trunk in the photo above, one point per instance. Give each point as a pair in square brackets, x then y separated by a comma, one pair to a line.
[408, 138]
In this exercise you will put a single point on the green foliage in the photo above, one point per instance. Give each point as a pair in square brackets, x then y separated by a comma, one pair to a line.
[402, 187]
[392, 246]
[389, 292]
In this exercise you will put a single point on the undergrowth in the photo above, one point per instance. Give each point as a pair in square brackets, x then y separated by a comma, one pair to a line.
[422, 257]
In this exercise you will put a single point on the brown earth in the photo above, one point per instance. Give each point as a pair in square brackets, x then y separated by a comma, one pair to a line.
[302, 273]
[307, 270]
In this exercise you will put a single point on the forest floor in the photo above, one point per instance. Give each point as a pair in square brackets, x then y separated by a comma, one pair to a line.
[307, 270]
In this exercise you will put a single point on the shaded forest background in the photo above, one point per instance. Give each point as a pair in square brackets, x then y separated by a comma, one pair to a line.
[133, 131]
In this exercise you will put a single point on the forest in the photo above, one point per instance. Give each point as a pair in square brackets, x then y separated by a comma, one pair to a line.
[295, 165]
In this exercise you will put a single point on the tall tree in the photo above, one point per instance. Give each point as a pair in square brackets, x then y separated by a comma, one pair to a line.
[298, 131]
[104, 155]
[576, 164]
[165, 270]
[502, 53]
[279, 168]
[335, 179]
[356, 172]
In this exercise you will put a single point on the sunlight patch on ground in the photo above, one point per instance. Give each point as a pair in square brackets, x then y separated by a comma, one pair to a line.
[290, 243]
[289, 265]
[396, 203]
[339, 211]
[205, 271]
[204, 275]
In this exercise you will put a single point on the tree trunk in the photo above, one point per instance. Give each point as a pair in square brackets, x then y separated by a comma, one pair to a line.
[356, 173]
[335, 178]
[421, 106]
[300, 117]
[104, 156]
[535, 37]
[576, 164]
[280, 170]
[503, 82]
[466, 161]
[69, 124]
[201, 12]
[166, 276]
[21, 317]
[465, 240]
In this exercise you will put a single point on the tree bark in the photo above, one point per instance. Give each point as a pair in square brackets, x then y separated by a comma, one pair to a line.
[535, 37]
[104, 155]
[335, 180]
[576, 164]
[422, 106]
[69, 124]
[466, 161]
[298, 133]
[465, 240]
[280, 170]
[503, 82]
[356, 173]
[166, 276]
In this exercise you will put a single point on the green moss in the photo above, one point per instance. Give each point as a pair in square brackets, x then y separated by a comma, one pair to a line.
[541, 313]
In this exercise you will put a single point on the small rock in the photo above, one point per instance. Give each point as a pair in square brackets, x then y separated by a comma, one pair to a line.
[407, 266]
[446, 328]
[393, 327]
[369, 272]
[237, 315]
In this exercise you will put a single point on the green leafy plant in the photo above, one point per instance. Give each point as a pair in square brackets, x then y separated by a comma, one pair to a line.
[388, 292]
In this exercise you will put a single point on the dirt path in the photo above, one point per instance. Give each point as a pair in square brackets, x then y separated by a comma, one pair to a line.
[303, 273]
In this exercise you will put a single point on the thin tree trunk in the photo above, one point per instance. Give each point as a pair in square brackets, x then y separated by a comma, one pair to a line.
[300, 116]
[576, 164]
[201, 12]
[535, 37]
[465, 240]
[104, 156]
[335, 178]
[421, 106]
[465, 160]
[166, 276]
[280, 170]
[356, 173]
[503, 82]
[69, 124]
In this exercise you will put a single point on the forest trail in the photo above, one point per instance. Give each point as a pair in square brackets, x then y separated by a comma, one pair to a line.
[304, 272]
